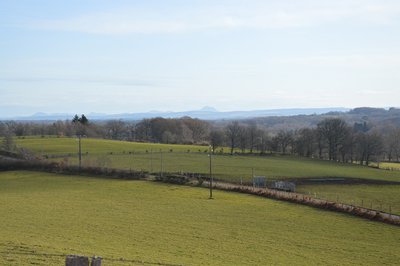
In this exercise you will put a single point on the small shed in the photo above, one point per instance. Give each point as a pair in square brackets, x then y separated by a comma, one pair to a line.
[260, 181]
[284, 186]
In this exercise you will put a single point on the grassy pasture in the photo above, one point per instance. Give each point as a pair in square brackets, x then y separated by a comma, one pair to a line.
[146, 156]
[389, 166]
[55, 145]
[225, 167]
[381, 197]
[159, 223]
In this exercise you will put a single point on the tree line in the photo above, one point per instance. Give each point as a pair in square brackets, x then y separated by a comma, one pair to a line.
[330, 139]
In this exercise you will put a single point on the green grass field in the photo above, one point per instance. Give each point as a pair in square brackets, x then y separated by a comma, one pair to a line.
[226, 167]
[159, 223]
[390, 166]
[188, 158]
[55, 145]
[381, 197]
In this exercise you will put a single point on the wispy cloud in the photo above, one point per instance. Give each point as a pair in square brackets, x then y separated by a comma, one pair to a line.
[234, 15]
[105, 81]
[346, 61]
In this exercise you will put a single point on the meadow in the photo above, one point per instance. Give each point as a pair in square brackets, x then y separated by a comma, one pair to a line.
[148, 223]
[388, 165]
[155, 158]
[379, 197]
[194, 159]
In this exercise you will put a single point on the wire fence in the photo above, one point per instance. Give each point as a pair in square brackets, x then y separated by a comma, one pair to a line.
[194, 164]
[225, 168]
[356, 202]
[364, 212]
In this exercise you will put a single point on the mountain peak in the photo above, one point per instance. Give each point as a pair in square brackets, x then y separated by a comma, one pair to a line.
[208, 109]
[39, 114]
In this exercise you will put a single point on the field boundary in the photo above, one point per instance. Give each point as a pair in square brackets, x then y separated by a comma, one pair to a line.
[59, 168]
[307, 200]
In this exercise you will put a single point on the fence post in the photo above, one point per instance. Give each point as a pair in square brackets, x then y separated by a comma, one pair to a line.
[151, 160]
[75, 260]
[161, 165]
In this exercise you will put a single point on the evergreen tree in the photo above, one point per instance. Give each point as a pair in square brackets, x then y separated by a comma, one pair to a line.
[75, 119]
[83, 120]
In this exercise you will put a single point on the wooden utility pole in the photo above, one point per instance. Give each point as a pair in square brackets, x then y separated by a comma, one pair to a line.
[161, 166]
[211, 177]
[151, 160]
[133, 160]
[80, 151]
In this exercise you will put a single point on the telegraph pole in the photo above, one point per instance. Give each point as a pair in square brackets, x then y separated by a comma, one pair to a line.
[151, 160]
[211, 177]
[161, 166]
[80, 151]
[133, 160]
[252, 177]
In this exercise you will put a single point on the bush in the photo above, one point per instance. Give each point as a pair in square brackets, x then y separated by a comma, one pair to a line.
[200, 181]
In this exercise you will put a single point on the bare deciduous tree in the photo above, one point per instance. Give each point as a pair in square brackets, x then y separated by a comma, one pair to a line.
[392, 144]
[115, 129]
[217, 139]
[8, 143]
[306, 142]
[368, 145]
[232, 132]
[333, 130]
[283, 140]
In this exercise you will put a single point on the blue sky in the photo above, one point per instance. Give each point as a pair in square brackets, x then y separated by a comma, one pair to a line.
[132, 56]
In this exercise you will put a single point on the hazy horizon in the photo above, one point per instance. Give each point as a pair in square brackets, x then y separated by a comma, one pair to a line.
[137, 56]
[205, 113]
[204, 109]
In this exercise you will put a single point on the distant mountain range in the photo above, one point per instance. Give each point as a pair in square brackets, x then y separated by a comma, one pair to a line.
[206, 113]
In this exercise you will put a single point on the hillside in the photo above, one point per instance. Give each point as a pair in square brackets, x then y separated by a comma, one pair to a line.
[372, 117]
[206, 113]
[271, 119]
[45, 216]
[360, 185]
[194, 159]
